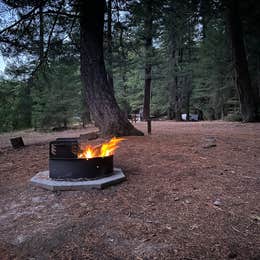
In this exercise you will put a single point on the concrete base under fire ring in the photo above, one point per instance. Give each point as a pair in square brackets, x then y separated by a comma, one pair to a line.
[42, 179]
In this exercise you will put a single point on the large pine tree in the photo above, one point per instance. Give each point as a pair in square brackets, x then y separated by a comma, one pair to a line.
[99, 93]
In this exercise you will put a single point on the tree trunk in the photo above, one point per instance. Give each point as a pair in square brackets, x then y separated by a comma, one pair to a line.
[109, 45]
[148, 22]
[179, 83]
[178, 99]
[99, 94]
[188, 105]
[258, 76]
[188, 92]
[248, 104]
[173, 60]
[172, 95]
[122, 60]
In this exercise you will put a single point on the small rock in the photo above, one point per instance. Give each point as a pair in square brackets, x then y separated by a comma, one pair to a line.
[83, 204]
[209, 145]
[209, 142]
[168, 227]
[217, 202]
[20, 239]
[37, 199]
[57, 206]
[210, 139]
[188, 201]
[255, 217]
[194, 226]
[176, 199]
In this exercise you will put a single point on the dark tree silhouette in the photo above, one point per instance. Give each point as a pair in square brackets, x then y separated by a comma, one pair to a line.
[245, 91]
[148, 22]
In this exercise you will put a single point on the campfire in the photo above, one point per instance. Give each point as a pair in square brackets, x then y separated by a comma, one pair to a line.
[103, 150]
[68, 160]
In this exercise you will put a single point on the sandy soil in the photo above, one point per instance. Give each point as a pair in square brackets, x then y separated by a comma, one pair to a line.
[165, 209]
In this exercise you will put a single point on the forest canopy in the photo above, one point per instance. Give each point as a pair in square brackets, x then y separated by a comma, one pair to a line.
[163, 58]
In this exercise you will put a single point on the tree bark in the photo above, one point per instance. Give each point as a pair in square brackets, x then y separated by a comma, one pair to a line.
[173, 59]
[178, 97]
[258, 76]
[172, 95]
[85, 116]
[148, 22]
[188, 95]
[99, 94]
[248, 104]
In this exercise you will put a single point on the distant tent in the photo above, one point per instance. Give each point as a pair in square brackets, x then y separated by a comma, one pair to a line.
[192, 117]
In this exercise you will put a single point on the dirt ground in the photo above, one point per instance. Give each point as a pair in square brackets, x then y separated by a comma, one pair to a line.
[192, 192]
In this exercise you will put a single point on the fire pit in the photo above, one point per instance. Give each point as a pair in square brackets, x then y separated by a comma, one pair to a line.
[72, 167]
[65, 164]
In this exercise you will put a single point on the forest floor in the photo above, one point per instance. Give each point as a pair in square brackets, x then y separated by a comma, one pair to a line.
[192, 192]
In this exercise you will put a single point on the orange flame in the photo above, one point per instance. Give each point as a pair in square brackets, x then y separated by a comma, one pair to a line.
[103, 150]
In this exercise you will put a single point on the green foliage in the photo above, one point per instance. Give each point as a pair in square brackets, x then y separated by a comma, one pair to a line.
[129, 60]
[57, 96]
[236, 116]
[15, 105]
[129, 90]
[214, 75]
[129, 93]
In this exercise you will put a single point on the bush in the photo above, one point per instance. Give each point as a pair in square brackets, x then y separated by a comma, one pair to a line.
[233, 117]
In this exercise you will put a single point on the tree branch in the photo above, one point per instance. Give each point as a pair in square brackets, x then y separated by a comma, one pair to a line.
[50, 12]
[23, 17]
[49, 40]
